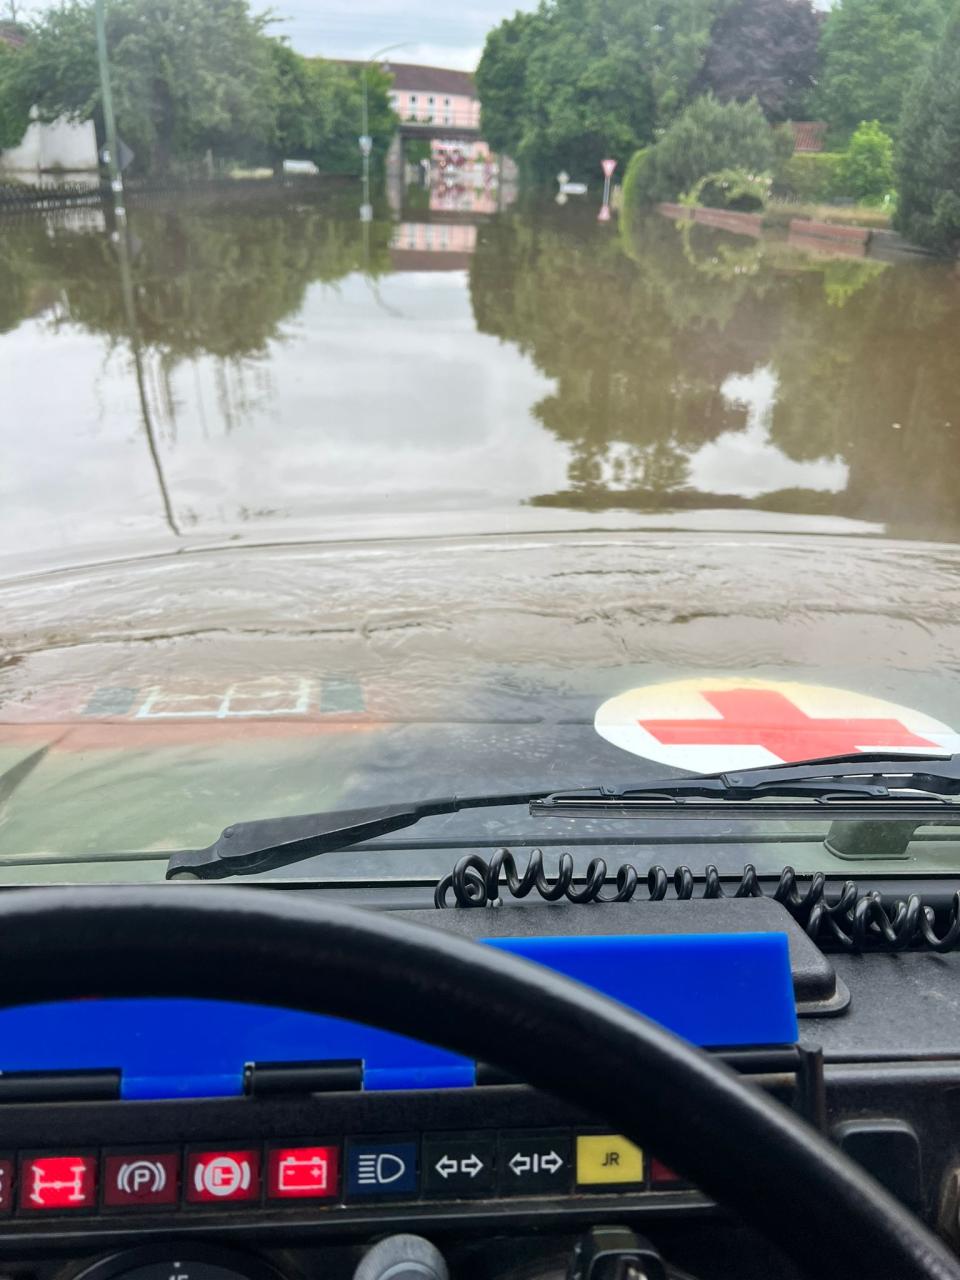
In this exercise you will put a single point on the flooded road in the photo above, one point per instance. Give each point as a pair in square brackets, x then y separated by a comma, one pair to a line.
[297, 512]
[296, 370]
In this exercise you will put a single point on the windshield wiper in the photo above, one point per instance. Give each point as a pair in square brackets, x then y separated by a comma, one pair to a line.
[862, 785]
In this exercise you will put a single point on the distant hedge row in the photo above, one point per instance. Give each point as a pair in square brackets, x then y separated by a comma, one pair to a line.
[810, 176]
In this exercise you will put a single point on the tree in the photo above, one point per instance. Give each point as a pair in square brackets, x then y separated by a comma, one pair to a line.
[866, 167]
[870, 51]
[186, 76]
[764, 49]
[14, 109]
[928, 160]
[708, 137]
[317, 109]
[501, 79]
[580, 79]
[189, 76]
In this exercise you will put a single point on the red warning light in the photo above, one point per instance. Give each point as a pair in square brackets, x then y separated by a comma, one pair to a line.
[303, 1173]
[223, 1177]
[50, 1183]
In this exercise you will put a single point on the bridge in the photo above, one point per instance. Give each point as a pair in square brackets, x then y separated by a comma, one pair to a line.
[444, 125]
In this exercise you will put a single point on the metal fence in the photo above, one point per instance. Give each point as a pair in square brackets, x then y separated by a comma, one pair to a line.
[16, 196]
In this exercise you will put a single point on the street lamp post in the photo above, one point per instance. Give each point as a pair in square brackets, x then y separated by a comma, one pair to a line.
[366, 142]
[109, 119]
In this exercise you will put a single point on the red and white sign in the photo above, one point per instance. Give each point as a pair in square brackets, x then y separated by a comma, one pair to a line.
[49, 1183]
[302, 1173]
[608, 167]
[712, 724]
[223, 1177]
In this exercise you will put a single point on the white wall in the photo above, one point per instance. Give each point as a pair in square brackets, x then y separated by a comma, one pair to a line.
[65, 144]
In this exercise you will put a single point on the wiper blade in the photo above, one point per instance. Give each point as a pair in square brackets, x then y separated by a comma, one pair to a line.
[873, 784]
[905, 787]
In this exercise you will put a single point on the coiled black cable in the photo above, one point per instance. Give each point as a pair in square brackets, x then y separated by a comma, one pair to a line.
[852, 921]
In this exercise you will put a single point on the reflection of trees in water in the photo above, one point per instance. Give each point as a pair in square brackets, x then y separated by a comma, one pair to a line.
[207, 281]
[637, 361]
[639, 338]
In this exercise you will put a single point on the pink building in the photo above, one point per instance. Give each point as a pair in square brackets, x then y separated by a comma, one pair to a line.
[434, 95]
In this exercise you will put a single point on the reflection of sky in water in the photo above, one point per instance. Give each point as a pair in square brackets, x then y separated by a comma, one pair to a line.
[746, 462]
[373, 397]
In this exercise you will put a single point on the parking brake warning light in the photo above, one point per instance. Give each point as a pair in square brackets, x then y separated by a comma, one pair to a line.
[141, 1180]
[58, 1183]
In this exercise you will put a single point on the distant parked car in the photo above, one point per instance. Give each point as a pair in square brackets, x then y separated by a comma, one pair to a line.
[300, 167]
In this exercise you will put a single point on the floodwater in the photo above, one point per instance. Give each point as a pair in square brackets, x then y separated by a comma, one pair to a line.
[298, 512]
[276, 366]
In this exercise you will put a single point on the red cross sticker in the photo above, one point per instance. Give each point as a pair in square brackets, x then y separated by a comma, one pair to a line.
[709, 724]
[765, 718]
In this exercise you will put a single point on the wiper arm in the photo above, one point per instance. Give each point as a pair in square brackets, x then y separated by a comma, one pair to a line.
[269, 843]
[906, 787]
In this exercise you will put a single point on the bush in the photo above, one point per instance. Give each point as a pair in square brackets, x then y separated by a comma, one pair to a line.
[632, 180]
[707, 137]
[928, 159]
[729, 189]
[809, 176]
[866, 167]
[14, 108]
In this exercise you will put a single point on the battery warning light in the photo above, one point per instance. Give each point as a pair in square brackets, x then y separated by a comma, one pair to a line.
[301, 1173]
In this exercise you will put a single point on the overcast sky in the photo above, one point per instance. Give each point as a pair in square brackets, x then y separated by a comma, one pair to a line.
[446, 33]
[443, 32]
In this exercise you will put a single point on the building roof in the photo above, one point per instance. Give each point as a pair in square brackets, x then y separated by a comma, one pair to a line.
[808, 135]
[410, 77]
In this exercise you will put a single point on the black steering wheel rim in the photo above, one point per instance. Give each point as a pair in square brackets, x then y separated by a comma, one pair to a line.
[281, 949]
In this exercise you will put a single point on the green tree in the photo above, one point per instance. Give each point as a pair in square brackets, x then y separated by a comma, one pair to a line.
[678, 37]
[189, 76]
[14, 110]
[764, 49]
[580, 79]
[501, 79]
[317, 108]
[866, 167]
[870, 50]
[186, 76]
[928, 160]
[709, 136]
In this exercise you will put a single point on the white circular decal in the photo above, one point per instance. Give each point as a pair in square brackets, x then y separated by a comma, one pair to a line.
[713, 724]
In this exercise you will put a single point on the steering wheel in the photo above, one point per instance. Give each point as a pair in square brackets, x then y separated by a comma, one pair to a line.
[278, 949]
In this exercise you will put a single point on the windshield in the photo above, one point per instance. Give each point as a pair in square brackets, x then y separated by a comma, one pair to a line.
[402, 401]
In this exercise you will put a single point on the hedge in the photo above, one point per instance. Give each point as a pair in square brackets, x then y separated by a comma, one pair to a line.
[809, 176]
[630, 195]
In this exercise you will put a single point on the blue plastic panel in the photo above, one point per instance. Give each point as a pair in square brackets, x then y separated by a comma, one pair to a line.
[714, 989]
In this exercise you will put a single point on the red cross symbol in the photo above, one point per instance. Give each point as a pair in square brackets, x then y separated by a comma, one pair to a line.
[765, 718]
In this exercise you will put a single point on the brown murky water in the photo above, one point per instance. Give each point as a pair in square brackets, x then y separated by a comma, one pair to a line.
[276, 366]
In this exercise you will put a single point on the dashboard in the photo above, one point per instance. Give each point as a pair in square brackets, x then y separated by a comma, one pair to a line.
[296, 1167]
